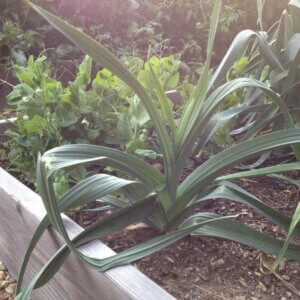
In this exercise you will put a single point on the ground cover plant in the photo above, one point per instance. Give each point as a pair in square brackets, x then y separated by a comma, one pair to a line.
[162, 199]
[101, 111]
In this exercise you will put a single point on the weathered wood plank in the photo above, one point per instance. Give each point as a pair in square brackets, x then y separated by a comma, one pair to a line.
[21, 211]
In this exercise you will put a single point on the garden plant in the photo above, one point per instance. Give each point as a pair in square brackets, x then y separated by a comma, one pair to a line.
[164, 200]
[282, 75]
[102, 111]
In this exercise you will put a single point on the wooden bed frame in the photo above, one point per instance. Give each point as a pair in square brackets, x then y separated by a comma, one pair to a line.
[20, 213]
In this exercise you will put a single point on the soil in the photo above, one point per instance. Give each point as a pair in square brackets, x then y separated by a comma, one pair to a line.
[210, 268]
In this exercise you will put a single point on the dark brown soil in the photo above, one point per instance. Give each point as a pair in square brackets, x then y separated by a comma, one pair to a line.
[210, 268]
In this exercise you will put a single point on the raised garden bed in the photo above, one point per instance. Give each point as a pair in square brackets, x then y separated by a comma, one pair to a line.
[217, 268]
[21, 212]
[201, 268]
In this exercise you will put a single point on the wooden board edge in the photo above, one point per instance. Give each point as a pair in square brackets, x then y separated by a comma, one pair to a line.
[130, 280]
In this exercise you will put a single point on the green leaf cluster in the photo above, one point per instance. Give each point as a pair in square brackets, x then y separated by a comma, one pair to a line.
[274, 59]
[101, 111]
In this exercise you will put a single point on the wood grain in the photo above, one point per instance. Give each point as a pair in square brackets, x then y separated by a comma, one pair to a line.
[21, 212]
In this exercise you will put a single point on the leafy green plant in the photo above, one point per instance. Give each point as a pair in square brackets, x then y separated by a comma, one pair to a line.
[278, 68]
[101, 111]
[48, 114]
[160, 199]
[285, 80]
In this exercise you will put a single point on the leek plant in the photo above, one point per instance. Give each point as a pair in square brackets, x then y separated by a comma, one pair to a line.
[283, 78]
[162, 199]
[282, 75]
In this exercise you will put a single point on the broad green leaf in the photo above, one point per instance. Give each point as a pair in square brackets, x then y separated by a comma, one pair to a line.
[212, 168]
[135, 144]
[35, 125]
[237, 50]
[216, 122]
[294, 223]
[173, 81]
[21, 92]
[71, 155]
[122, 258]
[137, 113]
[70, 118]
[88, 190]
[93, 134]
[146, 153]
[105, 79]
[211, 106]
[231, 191]
[294, 6]
[124, 131]
[262, 171]
[293, 48]
[236, 231]
[84, 75]
[163, 100]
